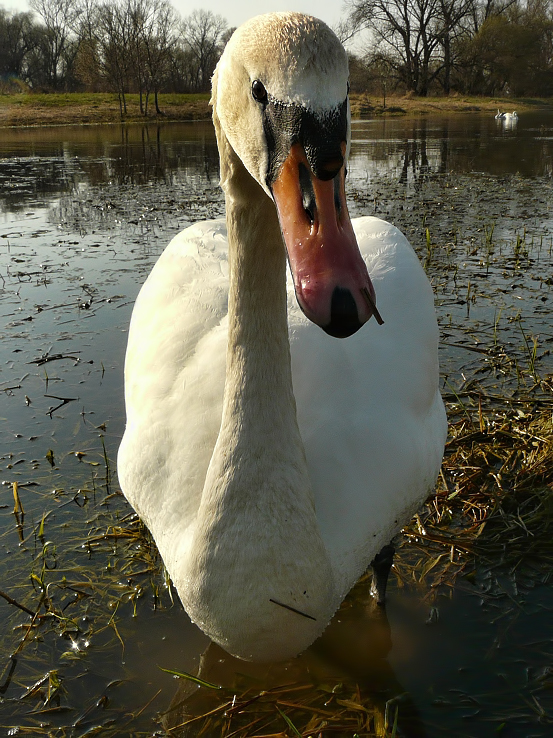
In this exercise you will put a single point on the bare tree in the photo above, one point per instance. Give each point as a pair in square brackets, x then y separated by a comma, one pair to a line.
[18, 39]
[138, 15]
[87, 63]
[128, 44]
[202, 33]
[450, 28]
[477, 46]
[60, 17]
[481, 10]
[112, 34]
[152, 26]
[403, 31]
[160, 39]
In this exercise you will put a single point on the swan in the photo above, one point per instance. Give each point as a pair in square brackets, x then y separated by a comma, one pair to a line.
[499, 115]
[510, 117]
[270, 460]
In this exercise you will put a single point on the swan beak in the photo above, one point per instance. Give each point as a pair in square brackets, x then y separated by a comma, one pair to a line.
[332, 284]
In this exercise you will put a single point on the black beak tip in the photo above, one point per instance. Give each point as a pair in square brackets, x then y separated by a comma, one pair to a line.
[344, 319]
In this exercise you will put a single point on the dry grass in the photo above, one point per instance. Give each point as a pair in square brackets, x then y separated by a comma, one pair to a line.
[494, 503]
[290, 710]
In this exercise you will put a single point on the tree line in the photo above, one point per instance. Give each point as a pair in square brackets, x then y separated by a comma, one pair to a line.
[480, 47]
[140, 46]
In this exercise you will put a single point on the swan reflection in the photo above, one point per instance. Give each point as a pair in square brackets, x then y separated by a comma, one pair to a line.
[344, 681]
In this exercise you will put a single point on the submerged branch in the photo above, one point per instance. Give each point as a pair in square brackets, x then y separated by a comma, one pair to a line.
[16, 603]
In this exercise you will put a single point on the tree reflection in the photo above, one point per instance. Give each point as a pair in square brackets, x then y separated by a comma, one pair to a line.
[37, 168]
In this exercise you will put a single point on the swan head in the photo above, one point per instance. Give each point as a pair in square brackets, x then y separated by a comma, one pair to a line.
[280, 96]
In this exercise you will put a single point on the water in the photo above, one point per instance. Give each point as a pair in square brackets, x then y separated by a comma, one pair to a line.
[84, 213]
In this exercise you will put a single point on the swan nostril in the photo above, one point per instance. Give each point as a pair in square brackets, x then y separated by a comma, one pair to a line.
[310, 213]
[307, 193]
[337, 198]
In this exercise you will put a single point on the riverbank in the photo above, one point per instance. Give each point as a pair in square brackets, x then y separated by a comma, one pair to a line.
[103, 108]
[94, 108]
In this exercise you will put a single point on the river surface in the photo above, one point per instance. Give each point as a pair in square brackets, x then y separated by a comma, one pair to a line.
[84, 213]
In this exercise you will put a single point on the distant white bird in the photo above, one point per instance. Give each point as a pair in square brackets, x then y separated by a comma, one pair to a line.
[271, 479]
[510, 117]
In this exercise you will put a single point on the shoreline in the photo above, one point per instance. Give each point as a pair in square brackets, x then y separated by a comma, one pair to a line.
[41, 110]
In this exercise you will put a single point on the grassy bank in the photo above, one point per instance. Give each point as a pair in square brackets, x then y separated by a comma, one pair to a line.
[364, 105]
[92, 108]
[101, 107]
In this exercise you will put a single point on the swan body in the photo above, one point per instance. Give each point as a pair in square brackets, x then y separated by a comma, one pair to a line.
[270, 460]
[510, 117]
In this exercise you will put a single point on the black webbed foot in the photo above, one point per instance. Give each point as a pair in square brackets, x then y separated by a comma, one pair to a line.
[381, 564]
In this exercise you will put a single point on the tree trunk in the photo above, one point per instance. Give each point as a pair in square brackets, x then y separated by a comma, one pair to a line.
[158, 111]
[447, 65]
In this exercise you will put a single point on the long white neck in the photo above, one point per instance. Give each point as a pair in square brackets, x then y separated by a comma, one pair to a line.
[258, 397]
[258, 562]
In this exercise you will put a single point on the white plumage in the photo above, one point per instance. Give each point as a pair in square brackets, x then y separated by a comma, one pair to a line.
[265, 523]
[508, 119]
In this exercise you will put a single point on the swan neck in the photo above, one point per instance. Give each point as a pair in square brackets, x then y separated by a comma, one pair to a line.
[257, 294]
[259, 409]
[258, 351]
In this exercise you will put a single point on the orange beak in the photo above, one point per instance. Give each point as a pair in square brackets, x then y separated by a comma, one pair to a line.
[332, 284]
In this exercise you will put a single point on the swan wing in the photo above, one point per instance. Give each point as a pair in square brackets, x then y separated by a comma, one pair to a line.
[174, 380]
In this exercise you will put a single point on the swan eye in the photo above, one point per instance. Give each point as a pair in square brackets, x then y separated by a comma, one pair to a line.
[258, 91]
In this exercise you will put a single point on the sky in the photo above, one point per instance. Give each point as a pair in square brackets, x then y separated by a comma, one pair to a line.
[237, 11]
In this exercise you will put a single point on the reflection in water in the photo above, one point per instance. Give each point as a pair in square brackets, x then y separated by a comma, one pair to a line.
[35, 165]
[347, 668]
[118, 156]
[25, 180]
[455, 144]
[415, 157]
[154, 155]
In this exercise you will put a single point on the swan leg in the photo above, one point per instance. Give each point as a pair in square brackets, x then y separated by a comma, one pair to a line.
[381, 564]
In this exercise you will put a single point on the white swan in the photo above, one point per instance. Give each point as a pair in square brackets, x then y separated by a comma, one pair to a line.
[499, 115]
[270, 480]
[510, 117]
